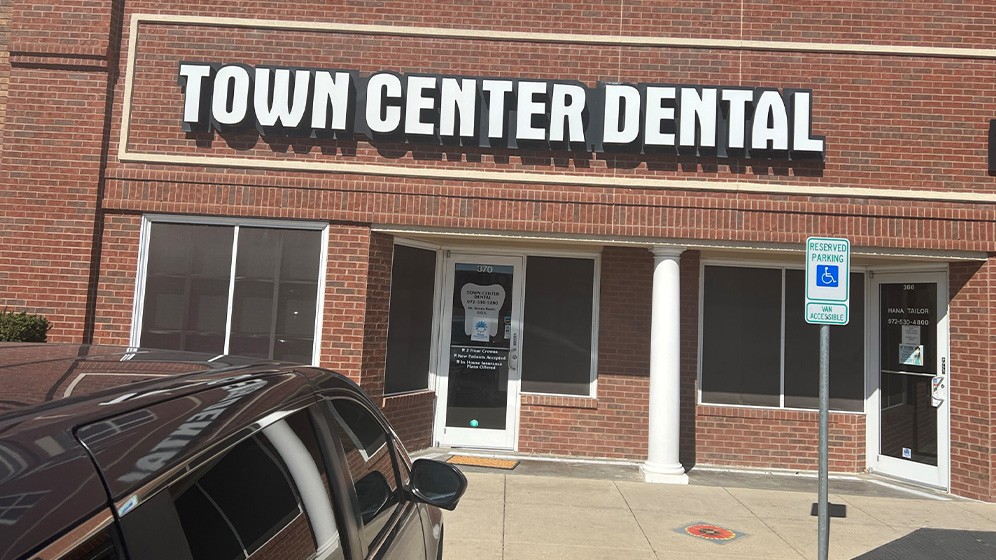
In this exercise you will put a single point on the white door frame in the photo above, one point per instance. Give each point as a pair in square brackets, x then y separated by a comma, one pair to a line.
[938, 476]
[476, 437]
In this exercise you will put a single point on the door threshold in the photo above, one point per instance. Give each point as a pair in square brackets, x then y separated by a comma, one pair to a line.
[909, 485]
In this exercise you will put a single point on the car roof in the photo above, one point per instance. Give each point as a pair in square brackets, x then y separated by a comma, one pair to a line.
[48, 481]
[32, 374]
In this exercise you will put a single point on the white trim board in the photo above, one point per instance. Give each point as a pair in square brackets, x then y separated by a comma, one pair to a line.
[501, 238]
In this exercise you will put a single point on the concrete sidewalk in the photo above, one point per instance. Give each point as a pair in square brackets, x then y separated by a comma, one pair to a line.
[584, 511]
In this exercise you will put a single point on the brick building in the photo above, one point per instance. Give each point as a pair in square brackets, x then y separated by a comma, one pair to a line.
[563, 228]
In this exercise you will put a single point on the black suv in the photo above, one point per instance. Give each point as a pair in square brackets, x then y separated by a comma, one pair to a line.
[115, 453]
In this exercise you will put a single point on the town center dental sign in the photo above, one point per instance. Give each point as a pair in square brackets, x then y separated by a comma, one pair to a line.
[828, 271]
[500, 113]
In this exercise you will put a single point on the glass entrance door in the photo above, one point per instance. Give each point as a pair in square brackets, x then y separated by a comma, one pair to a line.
[912, 411]
[479, 381]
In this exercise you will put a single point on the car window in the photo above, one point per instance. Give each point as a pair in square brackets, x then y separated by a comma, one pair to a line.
[265, 497]
[371, 465]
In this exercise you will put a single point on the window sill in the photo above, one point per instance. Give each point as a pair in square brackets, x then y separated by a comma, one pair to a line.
[558, 401]
[775, 413]
[416, 395]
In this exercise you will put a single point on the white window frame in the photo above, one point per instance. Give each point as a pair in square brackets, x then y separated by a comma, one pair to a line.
[782, 266]
[138, 309]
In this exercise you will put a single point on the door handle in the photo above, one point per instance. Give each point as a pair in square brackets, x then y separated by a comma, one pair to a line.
[937, 390]
[513, 352]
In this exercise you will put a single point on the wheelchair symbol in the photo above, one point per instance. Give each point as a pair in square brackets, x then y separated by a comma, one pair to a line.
[827, 275]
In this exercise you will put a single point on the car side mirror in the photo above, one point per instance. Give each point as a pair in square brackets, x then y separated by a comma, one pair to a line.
[437, 484]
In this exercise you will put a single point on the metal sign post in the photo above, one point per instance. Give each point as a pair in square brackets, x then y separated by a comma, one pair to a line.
[823, 491]
[828, 270]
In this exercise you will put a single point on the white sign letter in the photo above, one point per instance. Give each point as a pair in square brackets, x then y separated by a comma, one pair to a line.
[701, 109]
[801, 127]
[527, 108]
[379, 88]
[417, 101]
[770, 109]
[334, 92]
[623, 130]
[496, 90]
[737, 125]
[236, 79]
[657, 113]
[457, 97]
[193, 76]
[289, 115]
[567, 112]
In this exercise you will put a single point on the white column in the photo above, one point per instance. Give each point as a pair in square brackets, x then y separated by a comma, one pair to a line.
[665, 371]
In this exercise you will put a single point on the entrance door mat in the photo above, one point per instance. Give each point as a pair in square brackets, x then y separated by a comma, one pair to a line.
[507, 464]
[932, 544]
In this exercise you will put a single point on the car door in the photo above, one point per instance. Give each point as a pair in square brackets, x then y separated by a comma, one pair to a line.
[390, 526]
[233, 472]
[265, 497]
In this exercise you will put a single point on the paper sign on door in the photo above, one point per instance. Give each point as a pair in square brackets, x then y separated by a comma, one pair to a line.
[481, 305]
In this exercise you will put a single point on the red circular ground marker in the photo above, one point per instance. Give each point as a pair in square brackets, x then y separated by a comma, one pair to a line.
[710, 532]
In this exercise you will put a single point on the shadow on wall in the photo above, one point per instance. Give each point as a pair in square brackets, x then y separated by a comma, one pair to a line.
[773, 164]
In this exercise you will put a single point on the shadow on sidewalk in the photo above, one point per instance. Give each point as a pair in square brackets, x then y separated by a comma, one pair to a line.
[931, 544]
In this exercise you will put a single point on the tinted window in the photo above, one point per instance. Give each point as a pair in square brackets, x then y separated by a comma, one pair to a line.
[186, 287]
[744, 357]
[371, 465]
[207, 531]
[741, 338]
[253, 492]
[276, 293]
[409, 333]
[557, 324]
[802, 350]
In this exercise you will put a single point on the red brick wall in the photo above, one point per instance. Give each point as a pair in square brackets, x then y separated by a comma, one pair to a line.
[378, 304]
[689, 271]
[624, 312]
[345, 301]
[49, 169]
[80, 29]
[4, 60]
[970, 375]
[54, 138]
[771, 438]
[116, 289]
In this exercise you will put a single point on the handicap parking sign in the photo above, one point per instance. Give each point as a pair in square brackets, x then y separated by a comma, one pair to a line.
[827, 275]
[828, 264]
